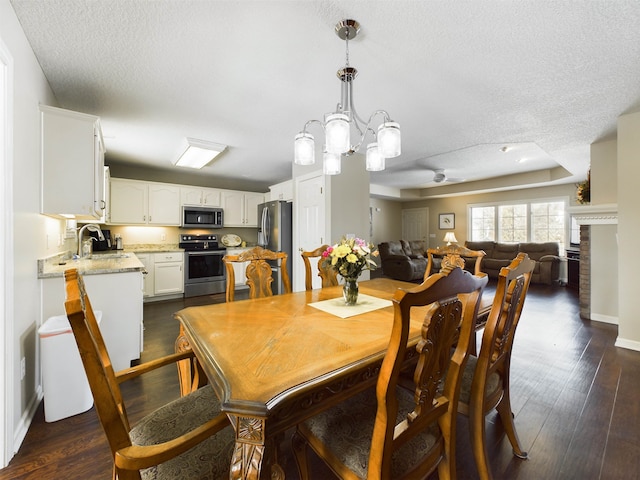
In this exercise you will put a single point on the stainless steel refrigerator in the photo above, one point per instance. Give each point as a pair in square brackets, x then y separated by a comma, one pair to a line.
[274, 233]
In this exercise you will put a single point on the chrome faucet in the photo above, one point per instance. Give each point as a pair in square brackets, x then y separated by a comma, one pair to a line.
[92, 227]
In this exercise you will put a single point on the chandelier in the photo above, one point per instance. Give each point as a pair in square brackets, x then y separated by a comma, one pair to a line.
[343, 124]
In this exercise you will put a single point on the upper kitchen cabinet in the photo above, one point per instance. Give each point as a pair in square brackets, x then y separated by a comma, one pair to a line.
[200, 197]
[282, 191]
[241, 208]
[72, 157]
[135, 202]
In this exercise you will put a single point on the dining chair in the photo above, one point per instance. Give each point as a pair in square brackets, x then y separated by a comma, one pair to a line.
[259, 278]
[388, 432]
[186, 438]
[485, 382]
[328, 275]
[452, 255]
[258, 272]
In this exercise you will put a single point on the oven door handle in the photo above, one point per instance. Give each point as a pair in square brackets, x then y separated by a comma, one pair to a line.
[207, 252]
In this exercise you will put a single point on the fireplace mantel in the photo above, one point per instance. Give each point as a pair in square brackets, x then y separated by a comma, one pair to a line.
[604, 214]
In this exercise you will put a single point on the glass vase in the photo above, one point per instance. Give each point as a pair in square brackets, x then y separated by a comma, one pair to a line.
[350, 291]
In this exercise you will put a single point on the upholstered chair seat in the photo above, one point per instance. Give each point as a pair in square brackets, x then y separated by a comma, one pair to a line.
[178, 418]
[348, 427]
[493, 382]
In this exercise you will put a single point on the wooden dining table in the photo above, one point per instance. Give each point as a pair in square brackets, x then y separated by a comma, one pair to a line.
[276, 361]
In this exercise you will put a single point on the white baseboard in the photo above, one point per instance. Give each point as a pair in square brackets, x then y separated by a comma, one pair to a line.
[25, 421]
[604, 318]
[628, 344]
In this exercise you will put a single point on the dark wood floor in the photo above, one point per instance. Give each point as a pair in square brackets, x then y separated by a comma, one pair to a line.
[575, 396]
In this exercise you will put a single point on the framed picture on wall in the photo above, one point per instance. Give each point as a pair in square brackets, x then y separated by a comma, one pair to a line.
[447, 221]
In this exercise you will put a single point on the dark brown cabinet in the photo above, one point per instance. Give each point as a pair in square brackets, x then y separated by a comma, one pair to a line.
[573, 269]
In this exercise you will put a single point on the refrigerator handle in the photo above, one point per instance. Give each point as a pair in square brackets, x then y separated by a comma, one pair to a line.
[267, 222]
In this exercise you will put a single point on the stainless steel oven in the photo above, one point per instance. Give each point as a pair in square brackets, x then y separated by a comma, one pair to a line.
[204, 271]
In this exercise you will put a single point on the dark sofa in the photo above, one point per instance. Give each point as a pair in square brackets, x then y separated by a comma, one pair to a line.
[545, 254]
[403, 260]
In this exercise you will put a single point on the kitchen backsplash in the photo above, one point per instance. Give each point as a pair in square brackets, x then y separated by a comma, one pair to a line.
[136, 235]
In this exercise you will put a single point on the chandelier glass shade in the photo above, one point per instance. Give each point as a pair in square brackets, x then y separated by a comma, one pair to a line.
[331, 163]
[343, 124]
[375, 160]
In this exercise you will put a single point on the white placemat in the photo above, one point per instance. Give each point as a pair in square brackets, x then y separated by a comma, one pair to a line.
[336, 306]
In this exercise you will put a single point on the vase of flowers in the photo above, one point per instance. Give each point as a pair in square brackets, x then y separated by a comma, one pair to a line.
[349, 257]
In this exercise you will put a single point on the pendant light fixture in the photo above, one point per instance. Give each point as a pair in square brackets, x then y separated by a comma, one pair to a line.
[341, 125]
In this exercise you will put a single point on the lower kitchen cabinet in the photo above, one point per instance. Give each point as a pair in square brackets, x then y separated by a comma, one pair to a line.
[239, 268]
[148, 274]
[119, 297]
[165, 274]
[168, 273]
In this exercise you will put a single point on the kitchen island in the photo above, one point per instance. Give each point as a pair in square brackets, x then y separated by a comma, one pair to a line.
[114, 285]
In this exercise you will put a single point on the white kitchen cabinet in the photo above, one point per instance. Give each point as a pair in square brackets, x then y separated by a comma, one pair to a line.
[128, 202]
[164, 204]
[133, 202]
[282, 191]
[201, 197]
[72, 161]
[241, 208]
[168, 273]
[239, 268]
[119, 297]
[147, 275]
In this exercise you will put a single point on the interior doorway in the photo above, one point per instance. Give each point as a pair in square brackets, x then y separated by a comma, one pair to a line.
[415, 224]
[310, 222]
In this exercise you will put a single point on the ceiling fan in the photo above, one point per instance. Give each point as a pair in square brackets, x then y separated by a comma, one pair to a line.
[440, 177]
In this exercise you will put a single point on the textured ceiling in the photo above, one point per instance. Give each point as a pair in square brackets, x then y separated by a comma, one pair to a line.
[462, 78]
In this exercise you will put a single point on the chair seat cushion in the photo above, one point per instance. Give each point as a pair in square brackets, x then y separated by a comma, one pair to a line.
[347, 428]
[467, 379]
[208, 460]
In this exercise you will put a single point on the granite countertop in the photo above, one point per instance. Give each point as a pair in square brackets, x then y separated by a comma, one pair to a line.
[110, 261]
[98, 264]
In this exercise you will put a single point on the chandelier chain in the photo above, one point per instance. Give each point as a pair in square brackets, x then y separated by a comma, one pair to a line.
[346, 41]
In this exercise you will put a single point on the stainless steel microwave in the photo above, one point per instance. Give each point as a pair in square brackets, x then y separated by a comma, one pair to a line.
[202, 217]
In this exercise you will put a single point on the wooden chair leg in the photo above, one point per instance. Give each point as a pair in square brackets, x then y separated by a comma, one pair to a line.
[506, 416]
[300, 454]
[190, 373]
[478, 444]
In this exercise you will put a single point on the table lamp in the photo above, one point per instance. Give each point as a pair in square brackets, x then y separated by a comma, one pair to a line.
[450, 238]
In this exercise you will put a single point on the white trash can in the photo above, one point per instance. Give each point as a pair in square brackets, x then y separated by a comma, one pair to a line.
[64, 381]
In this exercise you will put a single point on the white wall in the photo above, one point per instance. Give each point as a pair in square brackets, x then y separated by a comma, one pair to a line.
[350, 199]
[603, 238]
[30, 229]
[387, 220]
[628, 230]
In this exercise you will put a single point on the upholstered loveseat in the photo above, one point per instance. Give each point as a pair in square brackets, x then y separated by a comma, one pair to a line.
[545, 254]
[403, 260]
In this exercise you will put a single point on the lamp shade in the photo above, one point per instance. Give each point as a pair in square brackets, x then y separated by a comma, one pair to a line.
[450, 238]
[338, 136]
[304, 149]
[331, 163]
[375, 161]
[389, 139]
